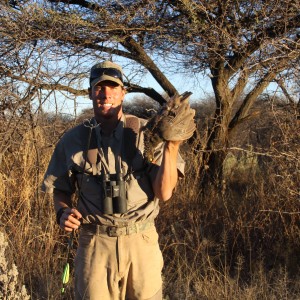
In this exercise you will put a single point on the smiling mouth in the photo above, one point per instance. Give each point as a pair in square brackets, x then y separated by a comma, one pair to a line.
[106, 104]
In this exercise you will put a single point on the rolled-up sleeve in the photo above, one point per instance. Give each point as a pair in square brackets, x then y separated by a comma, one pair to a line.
[59, 175]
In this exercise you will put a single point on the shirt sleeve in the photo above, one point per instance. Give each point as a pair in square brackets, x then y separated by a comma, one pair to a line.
[58, 175]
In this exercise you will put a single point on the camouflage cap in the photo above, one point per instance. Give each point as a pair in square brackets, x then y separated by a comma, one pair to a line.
[106, 70]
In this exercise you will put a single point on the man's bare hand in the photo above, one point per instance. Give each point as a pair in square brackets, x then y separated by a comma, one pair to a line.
[70, 219]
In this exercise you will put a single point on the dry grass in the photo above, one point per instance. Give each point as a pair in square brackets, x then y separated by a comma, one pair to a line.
[241, 243]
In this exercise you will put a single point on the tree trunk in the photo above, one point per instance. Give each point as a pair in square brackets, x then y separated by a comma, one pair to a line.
[216, 148]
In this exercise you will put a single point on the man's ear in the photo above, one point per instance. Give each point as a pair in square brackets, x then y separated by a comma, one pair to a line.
[124, 92]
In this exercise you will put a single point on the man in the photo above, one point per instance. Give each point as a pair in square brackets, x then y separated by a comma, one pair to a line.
[118, 256]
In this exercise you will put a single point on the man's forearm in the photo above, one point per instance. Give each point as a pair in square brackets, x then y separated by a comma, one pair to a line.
[167, 176]
[61, 200]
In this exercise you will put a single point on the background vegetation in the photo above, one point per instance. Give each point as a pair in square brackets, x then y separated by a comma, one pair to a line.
[241, 242]
[231, 230]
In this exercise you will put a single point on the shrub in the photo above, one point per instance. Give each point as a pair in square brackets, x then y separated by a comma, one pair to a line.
[10, 287]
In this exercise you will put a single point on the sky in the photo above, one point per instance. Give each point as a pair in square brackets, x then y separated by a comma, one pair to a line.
[201, 88]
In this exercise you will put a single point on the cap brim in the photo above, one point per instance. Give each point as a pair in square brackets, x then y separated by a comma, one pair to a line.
[106, 78]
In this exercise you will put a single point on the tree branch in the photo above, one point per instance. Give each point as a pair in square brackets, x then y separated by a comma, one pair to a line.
[281, 84]
[150, 92]
[255, 92]
[131, 88]
[141, 57]
[272, 31]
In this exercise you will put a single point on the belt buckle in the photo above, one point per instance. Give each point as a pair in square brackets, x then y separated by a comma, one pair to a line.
[114, 231]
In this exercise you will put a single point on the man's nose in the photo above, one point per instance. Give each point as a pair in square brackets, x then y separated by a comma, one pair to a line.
[105, 92]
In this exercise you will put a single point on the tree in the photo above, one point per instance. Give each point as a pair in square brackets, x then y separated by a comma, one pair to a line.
[242, 46]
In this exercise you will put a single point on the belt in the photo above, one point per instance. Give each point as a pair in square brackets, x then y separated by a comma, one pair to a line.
[114, 231]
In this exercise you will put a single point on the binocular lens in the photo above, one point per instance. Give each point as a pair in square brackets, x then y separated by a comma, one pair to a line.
[119, 205]
[114, 200]
[108, 206]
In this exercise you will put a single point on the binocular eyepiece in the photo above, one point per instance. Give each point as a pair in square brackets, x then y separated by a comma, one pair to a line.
[114, 200]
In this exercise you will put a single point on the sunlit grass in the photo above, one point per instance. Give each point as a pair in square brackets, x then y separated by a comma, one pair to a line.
[240, 242]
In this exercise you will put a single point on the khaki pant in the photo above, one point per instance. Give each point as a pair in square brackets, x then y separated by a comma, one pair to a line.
[117, 268]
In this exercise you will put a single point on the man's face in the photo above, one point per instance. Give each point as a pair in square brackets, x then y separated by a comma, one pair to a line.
[107, 99]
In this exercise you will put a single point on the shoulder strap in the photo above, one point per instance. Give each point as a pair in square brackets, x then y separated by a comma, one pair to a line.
[131, 135]
[131, 139]
[133, 123]
[91, 151]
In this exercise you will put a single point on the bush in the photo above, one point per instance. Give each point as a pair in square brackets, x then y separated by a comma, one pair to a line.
[10, 288]
[239, 242]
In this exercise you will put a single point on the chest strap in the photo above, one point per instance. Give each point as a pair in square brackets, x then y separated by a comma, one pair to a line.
[130, 137]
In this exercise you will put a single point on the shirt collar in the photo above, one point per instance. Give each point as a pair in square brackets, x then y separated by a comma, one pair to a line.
[118, 131]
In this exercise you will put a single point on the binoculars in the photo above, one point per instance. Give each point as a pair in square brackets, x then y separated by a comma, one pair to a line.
[114, 200]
